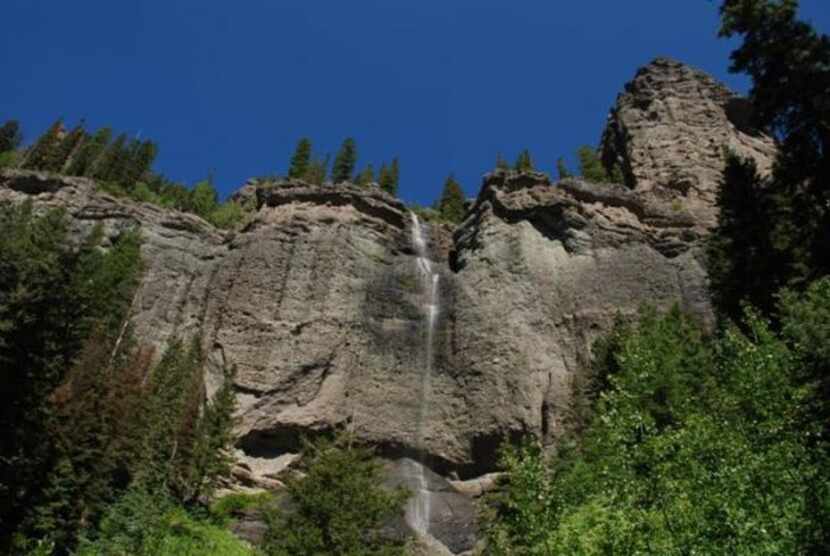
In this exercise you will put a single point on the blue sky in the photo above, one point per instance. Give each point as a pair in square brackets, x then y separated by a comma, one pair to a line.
[229, 87]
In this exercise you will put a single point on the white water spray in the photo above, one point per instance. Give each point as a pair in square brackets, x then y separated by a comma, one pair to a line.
[418, 511]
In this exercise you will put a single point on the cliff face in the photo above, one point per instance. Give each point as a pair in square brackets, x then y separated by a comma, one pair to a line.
[318, 304]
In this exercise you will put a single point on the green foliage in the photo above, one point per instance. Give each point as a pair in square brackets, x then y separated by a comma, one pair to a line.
[65, 149]
[501, 162]
[10, 159]
[41, 155]
[344, 162]
[366, 176]
[10, 136]
[697, 446]
[389, 176]
[145, 524]
[451, 204]
[60, 309]
[317, 170]
[301, 159]
[225, 507]
[83, 162]
[523, 162]
[744, 264]
[227, 215]
[339, 505]
[204, 198]
[788, 62]
[111, 164]
[590, 166]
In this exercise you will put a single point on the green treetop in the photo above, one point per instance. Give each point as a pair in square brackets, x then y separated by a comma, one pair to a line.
[387, 178]
[42, 151]
[590, 165]
[366, 176]
[451, 204]
[345, 161]
[10, 136]
[301, 159]
[524, 163]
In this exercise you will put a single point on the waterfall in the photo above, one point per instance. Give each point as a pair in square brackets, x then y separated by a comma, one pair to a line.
[418, 511]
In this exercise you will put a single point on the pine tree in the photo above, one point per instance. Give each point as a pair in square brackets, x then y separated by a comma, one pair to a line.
[344, 162]
[562, 168]
[366, 177]
[209, 459]
[524, 163]
[65, 149]
[387, 178]
[788, 62]
[204, 198]
[451, 204]
[143, 159]
[111, 163]
[501, 162]
[301, 160]
[43, 150]
[91, 149]
[10, 136]
[590, 165]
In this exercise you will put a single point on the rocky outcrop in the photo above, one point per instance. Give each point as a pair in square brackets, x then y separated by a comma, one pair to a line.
[318, 302]
[668, 131]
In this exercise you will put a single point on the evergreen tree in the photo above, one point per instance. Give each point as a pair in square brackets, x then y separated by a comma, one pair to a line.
[42, 152]
[523, 162]
[789, 63]
[204, 198]
[65, 149]
[344, 162]
[451, 204]
[143, 159]
[388, 178]
[562, 168]
[91, 149]
[383, 177]
[317, 170]
[366, 177]
[301, 160]
[10, 136]
[112, 162]
[744, 265]
[590, 166]
[339, 505]
[501, 162]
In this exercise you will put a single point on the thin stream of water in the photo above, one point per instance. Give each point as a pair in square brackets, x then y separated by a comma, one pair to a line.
[418, 511]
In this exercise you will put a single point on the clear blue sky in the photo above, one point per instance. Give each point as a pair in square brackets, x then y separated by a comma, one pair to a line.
[443, 84]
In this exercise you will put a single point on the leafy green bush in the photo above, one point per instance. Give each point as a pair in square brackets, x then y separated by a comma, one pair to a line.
[338, 505]
[224, 507]
[143, 524]
[228, 215]
[698, 445]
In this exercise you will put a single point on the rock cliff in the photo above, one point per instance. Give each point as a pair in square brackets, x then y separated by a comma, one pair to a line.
[668, 131]
[317, 299]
